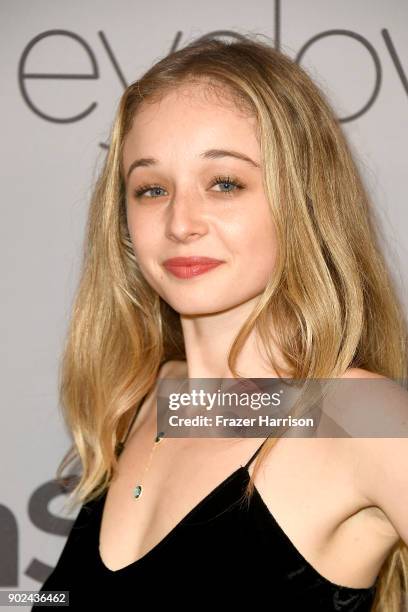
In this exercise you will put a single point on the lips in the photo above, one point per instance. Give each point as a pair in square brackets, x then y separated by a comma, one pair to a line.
[187, 267]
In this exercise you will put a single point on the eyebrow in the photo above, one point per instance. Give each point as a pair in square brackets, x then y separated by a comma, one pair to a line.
[210, 154]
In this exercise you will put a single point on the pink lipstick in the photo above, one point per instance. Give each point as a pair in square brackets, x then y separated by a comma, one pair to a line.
[187, 267]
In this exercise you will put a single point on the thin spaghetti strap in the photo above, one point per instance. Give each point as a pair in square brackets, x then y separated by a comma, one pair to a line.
[248, 463]
[121, 445]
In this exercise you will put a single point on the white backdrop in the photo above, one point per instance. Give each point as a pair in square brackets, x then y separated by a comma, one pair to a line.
[64, 66]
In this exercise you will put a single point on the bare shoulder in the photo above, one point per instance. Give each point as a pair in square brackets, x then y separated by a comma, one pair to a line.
[386, 412]
[361, 373]
[369, 405]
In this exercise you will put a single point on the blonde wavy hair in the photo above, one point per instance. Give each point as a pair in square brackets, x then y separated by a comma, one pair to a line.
[331, 299]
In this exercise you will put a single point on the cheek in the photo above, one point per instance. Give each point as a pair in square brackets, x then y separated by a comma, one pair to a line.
[256, 245]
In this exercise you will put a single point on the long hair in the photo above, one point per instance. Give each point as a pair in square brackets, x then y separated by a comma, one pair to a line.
[332, 300]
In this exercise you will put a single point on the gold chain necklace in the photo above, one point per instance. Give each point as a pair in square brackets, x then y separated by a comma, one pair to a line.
[138, 490]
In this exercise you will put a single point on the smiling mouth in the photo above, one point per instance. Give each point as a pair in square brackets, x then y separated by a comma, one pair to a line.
[187, 267]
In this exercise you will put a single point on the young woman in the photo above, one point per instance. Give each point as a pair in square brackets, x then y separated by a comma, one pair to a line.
[230, 236]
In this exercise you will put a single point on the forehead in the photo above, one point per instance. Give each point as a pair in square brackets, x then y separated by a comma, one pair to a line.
[200, 94]
[193, 115]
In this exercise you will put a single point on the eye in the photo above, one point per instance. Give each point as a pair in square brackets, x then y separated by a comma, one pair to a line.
[144, 188]
[217, 180]
[227, 180]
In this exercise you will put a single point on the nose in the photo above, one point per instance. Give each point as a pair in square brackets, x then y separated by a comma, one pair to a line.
[185, 218]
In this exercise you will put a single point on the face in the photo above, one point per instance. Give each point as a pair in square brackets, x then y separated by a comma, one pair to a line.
[186, 201]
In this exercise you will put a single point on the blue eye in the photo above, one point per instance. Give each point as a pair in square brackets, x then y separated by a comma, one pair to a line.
[226, 180]
[142, 190]
[217, 180]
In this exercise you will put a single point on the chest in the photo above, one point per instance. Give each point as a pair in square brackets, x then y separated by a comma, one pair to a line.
[305, 484]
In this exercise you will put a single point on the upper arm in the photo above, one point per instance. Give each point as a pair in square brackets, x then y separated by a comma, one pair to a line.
[383, 461]
[383, 479]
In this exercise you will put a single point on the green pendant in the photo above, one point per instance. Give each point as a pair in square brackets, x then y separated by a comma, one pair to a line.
[137, 491]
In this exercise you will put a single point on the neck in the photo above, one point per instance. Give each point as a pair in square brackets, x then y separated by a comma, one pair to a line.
[209, 337]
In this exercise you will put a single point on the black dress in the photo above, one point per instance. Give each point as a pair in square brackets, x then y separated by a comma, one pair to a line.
[222, 553]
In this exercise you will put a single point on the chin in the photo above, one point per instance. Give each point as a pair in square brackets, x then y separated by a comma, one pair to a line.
[200, 307]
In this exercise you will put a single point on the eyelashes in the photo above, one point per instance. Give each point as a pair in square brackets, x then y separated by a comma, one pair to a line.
[223, 180]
